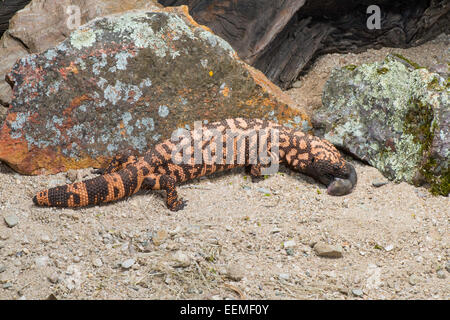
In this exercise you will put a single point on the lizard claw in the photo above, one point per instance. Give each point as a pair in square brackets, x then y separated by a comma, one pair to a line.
[180, 204]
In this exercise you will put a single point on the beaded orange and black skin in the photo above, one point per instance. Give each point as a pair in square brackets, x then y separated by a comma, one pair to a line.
[163, 167]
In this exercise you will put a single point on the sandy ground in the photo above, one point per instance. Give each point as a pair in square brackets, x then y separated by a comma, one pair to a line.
[236, 239]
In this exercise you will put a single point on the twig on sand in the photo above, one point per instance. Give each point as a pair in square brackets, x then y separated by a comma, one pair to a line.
[235, 289]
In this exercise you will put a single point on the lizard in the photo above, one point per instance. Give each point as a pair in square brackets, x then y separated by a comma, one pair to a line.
[163, 166]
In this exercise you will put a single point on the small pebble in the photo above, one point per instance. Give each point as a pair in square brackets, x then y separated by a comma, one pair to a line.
[234, 272]
[284, 276]
[42, 261]
[441, 274]
[2, 268]
[11, 220]
[76, 259]
[297, 84]
[447, 266]
[127, 263]
[181, 259]
[7, 285]
[325, 250]
[53, 278]
[264, 190]
[389, 247]
[275, 230]
[289, 244]
[45, 238]
[357, 292]
[289, 251]
[413, 280]
[97, 262]
[159, 237]
[378, 184]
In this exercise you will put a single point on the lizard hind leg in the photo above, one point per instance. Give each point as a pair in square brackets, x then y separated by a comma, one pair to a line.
[254, 170]
[167, 183]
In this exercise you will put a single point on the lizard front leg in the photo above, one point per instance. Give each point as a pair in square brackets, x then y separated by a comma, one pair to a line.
[167, 183]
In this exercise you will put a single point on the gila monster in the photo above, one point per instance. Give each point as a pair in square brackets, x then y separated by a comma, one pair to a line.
[160, 167]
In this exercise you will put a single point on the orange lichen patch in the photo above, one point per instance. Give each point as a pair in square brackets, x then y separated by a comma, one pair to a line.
[72, 68]
[35, 161]
[13, 151]
[225, 91]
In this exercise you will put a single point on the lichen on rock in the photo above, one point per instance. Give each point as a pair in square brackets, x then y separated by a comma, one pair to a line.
[393, 115]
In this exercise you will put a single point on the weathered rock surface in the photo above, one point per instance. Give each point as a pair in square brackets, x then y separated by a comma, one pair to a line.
[44, 23]
[125, 82]
[392, 114]
[282, 38]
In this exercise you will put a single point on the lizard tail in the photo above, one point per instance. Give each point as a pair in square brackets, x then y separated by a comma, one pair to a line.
[101, 189]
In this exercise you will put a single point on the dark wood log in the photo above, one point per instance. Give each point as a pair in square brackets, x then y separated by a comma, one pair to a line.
[7, 9]
[282, 38]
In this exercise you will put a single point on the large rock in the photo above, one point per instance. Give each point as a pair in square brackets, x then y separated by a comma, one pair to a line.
[45, 23]
[125, 82]
[392, 114]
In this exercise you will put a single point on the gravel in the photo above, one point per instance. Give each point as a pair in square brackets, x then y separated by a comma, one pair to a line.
[249, 229]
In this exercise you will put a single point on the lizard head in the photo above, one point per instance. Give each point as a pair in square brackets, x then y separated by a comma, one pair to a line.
[330, 168]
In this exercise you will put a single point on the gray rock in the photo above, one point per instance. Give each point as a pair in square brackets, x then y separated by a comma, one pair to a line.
[181, 259]
[45, 238]
[441, 68]
[394, 117]
[357, 292]
[97, 262]
[297, 84]
[11, 220]
[378, 184]
[289, 244]
[413, 279]
[284, 276]
[289, 251]
[234, 272]
[7, 285]
[54, 278]
[325, 250]
[2, 268]
[264, 190]
[159, 237]
[447, 266]
[42, 261]
[441, 274]
[127, 264]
